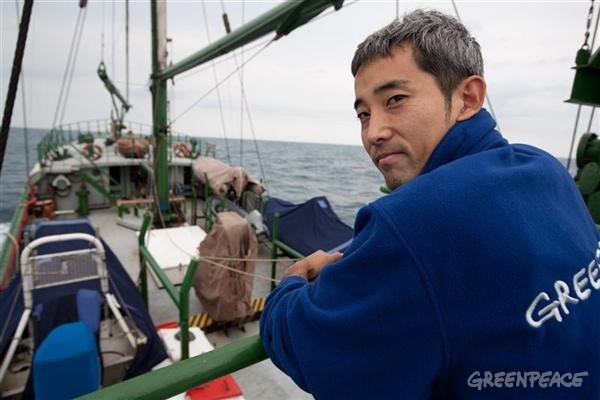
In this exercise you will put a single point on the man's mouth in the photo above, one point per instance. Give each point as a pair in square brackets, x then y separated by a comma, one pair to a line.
[385, 159]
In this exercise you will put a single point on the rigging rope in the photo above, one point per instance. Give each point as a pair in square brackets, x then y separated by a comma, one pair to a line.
[72, 72]
[210, 260]
[102, 35]
[589, 128]
[584, 46]
[14, 77]
[112, 41]
[190, 73]
[573, 137]
[592, 48]
[65, 74]
[24, 109]
[241, 77]
[244, 101]
[487, 96]
[194, 104]
[214, 70]
[127, 50]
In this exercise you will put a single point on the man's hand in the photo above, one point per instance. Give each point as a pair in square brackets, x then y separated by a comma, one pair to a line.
[310, 267]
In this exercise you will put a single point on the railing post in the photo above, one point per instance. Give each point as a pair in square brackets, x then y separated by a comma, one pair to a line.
[184, 300]
[274, 249]
[194, 200]
[143, 267]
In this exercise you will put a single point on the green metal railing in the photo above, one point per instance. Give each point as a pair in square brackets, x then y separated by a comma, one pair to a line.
[180, 297]
[279, 245]
[190, 372]
[49, 146]
[177, 378]
[10, 252]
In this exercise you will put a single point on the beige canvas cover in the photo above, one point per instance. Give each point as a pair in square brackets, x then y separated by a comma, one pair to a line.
[132, 147]
[225, 294]
[222, 177]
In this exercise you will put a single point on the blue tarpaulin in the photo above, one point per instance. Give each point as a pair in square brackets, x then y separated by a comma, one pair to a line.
[309, 226]
[120, 284]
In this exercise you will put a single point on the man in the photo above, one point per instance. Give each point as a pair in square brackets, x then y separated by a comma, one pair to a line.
[477, 277]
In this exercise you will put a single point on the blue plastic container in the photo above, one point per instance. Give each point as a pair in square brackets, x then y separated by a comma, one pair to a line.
[66, 365]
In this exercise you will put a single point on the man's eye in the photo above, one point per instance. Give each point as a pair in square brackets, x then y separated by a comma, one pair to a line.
[395, 99]
[363, 116]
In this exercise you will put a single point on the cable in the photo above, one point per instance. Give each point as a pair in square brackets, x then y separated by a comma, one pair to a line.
[193, 72]
[74, 62]
[14, 77]
[24, 108]
[65, 74]
[487, 96]
[209, 259]
[220, 83]
[214, 70]
[589, 128]
[573, 137]
[592, 48]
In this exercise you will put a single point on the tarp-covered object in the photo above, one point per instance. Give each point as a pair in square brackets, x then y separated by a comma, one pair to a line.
[225, 294]
[222, 178]
[133, 147]
[309, 226]
[120, 284]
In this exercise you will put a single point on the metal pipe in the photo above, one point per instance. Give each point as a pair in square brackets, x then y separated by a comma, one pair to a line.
[186, 374]
[143, 267]
[114, 307]
[9, 253]
[274, 243]
[184, 297]
[160, 274]
[15, 341]
[282, 18]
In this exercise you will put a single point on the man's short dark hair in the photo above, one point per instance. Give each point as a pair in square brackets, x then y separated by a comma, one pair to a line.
[442, 46]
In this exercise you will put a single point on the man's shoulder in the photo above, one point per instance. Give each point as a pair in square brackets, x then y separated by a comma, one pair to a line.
[475, 178]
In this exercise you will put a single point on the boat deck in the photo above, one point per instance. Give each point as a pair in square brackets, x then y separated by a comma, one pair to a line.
[260, 381]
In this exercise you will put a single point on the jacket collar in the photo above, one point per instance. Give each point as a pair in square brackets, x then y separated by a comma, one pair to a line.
[464, 138]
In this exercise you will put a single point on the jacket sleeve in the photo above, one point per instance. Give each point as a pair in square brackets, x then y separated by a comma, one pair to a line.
[365, 328]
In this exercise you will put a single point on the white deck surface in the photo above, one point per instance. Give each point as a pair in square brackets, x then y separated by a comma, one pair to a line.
[262, 381]
[173, 249]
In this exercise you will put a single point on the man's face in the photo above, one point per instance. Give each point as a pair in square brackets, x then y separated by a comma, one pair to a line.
[402, 113]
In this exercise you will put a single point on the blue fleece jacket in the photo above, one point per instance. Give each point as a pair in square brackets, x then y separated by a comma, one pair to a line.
[480, 278]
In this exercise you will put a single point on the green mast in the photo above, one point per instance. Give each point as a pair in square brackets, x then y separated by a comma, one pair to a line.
[281, 20]
[159, 103]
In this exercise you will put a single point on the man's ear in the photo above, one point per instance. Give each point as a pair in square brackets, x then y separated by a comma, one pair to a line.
[471, 93]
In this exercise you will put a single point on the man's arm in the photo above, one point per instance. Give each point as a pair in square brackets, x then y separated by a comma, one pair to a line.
[310, 267]
[364, 328]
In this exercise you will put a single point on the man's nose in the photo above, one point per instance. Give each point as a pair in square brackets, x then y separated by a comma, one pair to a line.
[380, 128]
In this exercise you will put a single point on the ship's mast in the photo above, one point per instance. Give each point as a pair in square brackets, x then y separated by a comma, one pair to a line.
[159, 103]
[281, 20]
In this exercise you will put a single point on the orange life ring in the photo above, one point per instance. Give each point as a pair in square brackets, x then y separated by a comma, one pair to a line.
[92, 151]
[181, 150]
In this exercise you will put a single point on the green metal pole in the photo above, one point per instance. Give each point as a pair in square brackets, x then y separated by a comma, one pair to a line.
[194, 220]
[84, 204]
[179, 377]
[169, 287]
[184, 301]
[274, 249]
[143, 267]
[281, 19]
[159, 103]
[9, 252]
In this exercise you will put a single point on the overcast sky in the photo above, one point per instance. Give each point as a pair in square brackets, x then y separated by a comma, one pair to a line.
[300, 87]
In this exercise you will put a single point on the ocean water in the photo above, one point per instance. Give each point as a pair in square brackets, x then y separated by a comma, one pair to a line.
[294, 172]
